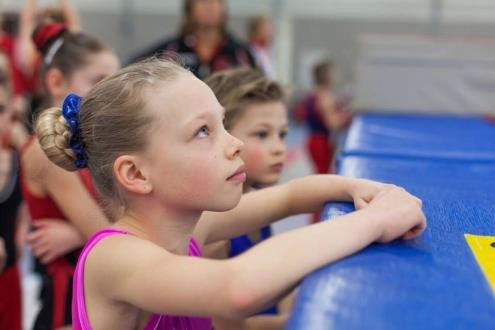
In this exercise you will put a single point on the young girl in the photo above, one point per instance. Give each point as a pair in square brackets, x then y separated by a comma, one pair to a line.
[153, 140]
[72, 62]
[323, 119]
[256, 114]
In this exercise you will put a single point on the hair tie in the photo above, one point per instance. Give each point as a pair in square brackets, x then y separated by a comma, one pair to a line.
[45, 34]
[70, 111]
[52, 51]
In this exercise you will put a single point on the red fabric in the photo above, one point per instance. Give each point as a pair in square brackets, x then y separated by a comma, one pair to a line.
[45, 33]
[19, 82]
[10, 299]
[299, 111]
[61, 271]
[6, 138]
[490, 118]
[45, 207]
[321, 152]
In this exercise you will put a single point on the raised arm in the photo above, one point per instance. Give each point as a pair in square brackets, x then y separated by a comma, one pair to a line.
[143, 275]
[26, 51]
[72, 19]
[304, 195]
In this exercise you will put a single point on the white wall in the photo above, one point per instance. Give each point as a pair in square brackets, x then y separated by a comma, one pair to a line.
[311, 28]
[454, 10]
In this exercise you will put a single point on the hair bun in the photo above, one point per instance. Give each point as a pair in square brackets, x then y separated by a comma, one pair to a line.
[53, 134]
[45, 34]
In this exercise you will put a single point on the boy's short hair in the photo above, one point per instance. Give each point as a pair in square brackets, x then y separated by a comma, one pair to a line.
[239, 88]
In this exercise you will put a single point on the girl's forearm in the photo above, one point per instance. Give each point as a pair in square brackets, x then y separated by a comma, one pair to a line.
[310, 193]
[272, 267]
[261, 208]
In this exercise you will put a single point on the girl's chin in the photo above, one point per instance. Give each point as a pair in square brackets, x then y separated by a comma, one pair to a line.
[228, 203]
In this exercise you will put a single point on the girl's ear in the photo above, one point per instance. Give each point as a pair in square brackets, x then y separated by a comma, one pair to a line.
[56, 83]
[129, 174]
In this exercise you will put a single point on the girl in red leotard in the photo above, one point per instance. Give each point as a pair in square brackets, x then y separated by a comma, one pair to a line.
[73, 62]
[322, 119]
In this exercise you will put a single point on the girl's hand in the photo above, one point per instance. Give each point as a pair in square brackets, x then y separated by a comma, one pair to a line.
[3, 255]
[398, 213]
[53, 238]
[364, 191]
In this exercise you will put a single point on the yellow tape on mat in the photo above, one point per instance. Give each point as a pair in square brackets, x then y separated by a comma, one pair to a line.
[483, 248]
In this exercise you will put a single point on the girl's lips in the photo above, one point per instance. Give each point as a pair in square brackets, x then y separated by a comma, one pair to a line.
[239, 175]
[277, 167]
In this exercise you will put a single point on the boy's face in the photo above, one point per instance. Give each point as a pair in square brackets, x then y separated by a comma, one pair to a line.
[262, 127]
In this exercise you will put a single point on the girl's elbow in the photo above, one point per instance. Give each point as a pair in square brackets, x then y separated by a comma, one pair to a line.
[243, 298]
[241, 304]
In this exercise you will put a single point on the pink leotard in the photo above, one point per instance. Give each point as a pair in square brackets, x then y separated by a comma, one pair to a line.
[80, 319]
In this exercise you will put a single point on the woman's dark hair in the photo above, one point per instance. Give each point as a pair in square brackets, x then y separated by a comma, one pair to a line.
[64, 50]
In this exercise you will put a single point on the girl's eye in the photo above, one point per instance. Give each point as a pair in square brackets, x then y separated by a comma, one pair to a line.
[261, 135]
[203, 132]
[283, 135]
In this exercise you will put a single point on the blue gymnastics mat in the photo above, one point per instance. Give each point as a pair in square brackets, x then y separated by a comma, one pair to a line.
[432, 282]
[422, 136]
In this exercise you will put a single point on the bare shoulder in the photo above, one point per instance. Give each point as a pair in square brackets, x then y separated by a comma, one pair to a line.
[107, 267]
[115, 258]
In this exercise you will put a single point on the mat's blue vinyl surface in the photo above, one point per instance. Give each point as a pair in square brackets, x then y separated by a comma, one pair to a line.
[433, 179]
[422, 136]
[432, 282]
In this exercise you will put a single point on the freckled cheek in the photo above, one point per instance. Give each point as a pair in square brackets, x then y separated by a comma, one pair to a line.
[253, 158]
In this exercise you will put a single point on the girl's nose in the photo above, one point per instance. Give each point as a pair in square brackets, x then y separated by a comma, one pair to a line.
[234, 147]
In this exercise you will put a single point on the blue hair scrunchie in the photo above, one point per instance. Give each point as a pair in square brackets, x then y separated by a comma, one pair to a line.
[70, 111]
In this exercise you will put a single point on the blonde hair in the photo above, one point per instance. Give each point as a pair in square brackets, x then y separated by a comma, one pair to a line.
[236, 89]
[112, 121]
